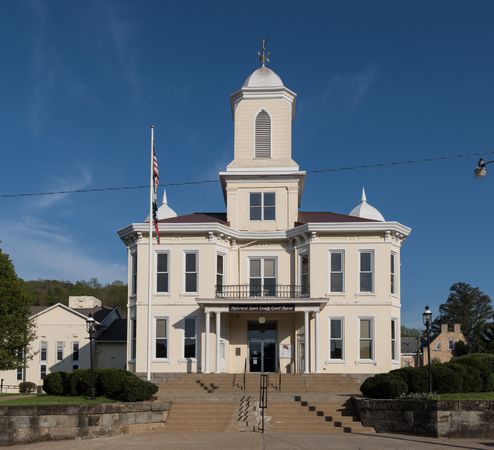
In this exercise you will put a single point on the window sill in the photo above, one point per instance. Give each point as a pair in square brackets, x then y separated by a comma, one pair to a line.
[366, 294]
[161, 294]
[187, 360]
[366, 361]
[335, 294]
[160, 360]
[189, 294]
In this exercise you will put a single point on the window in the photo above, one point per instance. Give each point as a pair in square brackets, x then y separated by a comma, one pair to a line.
[366, 339]
[133, 330]
[451, 345]
[43, 354]
[20, 369]
[304, 274]
[75, 355]
[42, 372]
[20, 373]
[336, 339]
[133, 269]
[366, 276]
[191, 272]
[262, 206]
[336, 271]
[161, 348]
[161, 272]
[190, 338]
[438, 346]
[393, 340]
[220, 272]
[59, 351]
[262, 279]
[451, 327]
[393, 273]
[263, 135]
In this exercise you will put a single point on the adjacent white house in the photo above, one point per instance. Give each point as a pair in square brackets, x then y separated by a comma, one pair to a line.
[62, 343]
[265, 286]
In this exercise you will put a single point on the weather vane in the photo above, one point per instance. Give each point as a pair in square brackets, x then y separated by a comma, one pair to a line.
[263, 54]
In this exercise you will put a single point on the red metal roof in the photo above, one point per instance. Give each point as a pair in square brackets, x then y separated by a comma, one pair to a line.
[198, 218]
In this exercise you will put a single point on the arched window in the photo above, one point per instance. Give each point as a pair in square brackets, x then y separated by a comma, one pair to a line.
[263, 135]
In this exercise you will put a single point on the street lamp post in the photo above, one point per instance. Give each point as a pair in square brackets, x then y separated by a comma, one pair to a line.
[427, 318]
[91, 328]
[480, 170]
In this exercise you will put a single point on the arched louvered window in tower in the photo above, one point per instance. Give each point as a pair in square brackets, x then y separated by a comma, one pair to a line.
[263, 135]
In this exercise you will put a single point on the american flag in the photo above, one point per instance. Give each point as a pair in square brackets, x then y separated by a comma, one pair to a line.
[156, 182]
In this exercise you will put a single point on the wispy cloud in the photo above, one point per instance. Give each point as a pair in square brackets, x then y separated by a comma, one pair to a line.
[76, 180]
[342, 94]
[40, 250]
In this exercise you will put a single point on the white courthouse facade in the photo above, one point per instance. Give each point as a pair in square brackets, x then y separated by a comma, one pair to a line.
[265, 286]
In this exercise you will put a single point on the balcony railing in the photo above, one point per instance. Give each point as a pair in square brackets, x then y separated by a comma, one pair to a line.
[261, 291]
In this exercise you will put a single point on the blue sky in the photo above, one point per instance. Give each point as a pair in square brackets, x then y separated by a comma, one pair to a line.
[80, 83]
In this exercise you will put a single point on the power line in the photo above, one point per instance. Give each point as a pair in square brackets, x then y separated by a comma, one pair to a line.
[189, 183]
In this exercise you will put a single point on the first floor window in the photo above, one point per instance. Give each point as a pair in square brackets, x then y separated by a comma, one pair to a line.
[336, 339]
[59, 351]
[366, 269]
[20, 369]
[220, 272]
[393, 273]
[336, 269]
[133, 331]
[394, 352]
[20, 373]
[190, 341]
[366, 339]
[262, 206]
[162, 272]
[438, 346]
[191, 272]
[451, 345]
[43, 354]
[161, 349]
[42, 374]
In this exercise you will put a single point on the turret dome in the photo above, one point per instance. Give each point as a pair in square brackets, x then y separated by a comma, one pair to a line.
[164, 211]
[263, 77]
[366, 211]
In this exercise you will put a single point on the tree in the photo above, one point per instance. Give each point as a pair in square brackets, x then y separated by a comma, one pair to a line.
[410, 332]
[460, 349]
[16, 329]
[471, 308]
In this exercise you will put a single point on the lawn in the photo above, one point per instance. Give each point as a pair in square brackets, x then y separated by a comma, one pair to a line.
[468, 396]
[32, 400]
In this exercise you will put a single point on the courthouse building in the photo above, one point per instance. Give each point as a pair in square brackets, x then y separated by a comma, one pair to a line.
[265, 286]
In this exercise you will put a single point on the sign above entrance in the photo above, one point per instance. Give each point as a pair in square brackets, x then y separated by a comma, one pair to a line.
[262, 308]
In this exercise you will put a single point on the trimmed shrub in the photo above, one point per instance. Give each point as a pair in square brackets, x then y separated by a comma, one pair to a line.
[384, 386]
[417, 379]
[26, 387]
[84, 385]
[460, 349]
[136, 390]
[484, 363]
[54, 383]
[472, 379]
[445, 380]
[113, 382]
[72, 386]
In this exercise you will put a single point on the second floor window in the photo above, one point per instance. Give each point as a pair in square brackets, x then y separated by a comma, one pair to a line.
[162, 272]
[133, 271]
[59, 351]
[75, 351]
[191, 272]
[220, 272]
[43, 354]
[366, 269]
[393, 273]
[262, 206]
[304, 273]
[262, 278]
[336, 275]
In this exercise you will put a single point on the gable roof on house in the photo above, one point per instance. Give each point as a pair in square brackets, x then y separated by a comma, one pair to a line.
[409, 345]
[116, 332]
[99, 313]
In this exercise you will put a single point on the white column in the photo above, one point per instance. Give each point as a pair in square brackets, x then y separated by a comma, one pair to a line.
[306, 342]
[316, 342]
[206, 343]
[218, 338]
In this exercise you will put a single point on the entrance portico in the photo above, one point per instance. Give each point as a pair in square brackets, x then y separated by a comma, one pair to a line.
[268, 335]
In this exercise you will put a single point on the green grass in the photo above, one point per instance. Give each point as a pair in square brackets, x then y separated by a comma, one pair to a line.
[33, 400]
[468, 396]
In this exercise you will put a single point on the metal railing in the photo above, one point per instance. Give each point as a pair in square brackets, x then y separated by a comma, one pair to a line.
[261, 291]
[245, 371]
[263, 397]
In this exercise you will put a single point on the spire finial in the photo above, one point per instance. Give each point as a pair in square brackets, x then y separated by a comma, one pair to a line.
[165, 200]
[364, 198]
[263, 54]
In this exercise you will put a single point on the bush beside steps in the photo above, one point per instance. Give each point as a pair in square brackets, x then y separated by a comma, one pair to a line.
[116, 384]
[468, 373]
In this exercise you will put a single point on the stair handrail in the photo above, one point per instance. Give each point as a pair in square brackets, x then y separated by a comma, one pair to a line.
[263, 396]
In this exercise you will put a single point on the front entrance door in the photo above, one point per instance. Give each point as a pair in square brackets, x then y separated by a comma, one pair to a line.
[263, 345]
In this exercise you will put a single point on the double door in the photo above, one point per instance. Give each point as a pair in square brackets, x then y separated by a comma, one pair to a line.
[262, 355]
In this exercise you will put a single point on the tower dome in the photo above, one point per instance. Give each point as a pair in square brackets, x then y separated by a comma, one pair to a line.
[366, 211]
[263, 77]
[164, 211]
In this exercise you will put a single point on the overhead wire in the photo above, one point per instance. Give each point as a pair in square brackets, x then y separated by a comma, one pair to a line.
[198, 182]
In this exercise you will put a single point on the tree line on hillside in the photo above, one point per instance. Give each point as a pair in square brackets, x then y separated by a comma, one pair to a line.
[50, 292]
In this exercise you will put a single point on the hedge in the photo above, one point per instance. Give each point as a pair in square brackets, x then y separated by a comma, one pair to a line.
[116, 384]
[468, 373]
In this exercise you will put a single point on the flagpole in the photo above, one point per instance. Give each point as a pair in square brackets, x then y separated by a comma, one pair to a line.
[150, 264]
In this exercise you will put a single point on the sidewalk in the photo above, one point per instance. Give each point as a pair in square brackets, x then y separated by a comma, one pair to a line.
[268, 441]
